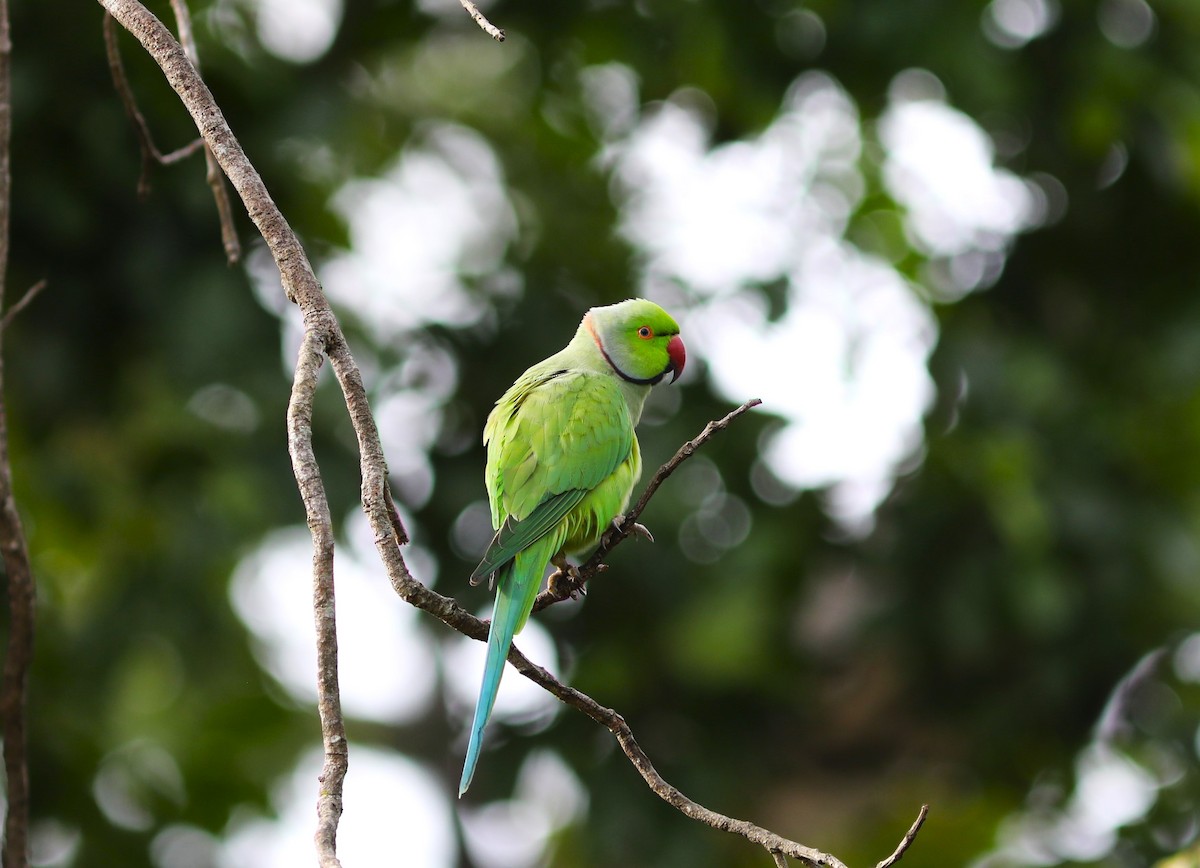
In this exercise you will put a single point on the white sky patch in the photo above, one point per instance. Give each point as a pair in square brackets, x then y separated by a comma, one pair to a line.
[718, 219]
[386, 666]
[297, 30]
[610, 98]
[845, 364]
[1014, 23]
[438, 214]
[1111, 791]
[395, 814]
[408, 401]
[939, 166]
[513, 833]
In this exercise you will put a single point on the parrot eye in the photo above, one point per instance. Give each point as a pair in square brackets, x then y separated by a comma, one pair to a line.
[645, 333]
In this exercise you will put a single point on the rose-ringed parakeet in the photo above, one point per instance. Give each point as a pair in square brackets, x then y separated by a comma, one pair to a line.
[562, 459]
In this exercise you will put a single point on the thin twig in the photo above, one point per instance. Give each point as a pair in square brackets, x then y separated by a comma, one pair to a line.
[13, 546]
[22, 303]
[151, 155]
[394, 515]
[907, 840]
[320, 526]
[566, 586]
[213, 174]
[323, 331]
[779, 859]
[488, 27]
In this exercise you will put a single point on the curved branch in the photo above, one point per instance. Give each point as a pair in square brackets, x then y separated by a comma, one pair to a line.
[322, 332]
[907, 840]
[322, 335]
[320, 526]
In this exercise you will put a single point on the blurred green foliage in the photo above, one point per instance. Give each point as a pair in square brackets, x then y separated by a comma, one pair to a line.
[1047, 542]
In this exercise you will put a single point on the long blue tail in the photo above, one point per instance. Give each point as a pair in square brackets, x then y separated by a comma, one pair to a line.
[506, 619]
[517, 584]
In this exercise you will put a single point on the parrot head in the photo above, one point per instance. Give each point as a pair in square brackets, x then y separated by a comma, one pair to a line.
[638, 339]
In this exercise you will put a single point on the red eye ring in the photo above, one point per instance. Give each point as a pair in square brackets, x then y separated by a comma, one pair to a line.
[645, 333]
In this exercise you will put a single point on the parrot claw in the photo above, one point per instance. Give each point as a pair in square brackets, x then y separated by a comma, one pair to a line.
[566, 582]
[637, 529]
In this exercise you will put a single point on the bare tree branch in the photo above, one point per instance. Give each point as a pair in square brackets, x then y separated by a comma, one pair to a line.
[907, 840]
[323, 332]
[566, 586]
[488, 27]
[22, 303]
[320, 525]
[13, 546]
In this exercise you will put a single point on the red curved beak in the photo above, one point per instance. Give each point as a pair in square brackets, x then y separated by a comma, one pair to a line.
[678, 355]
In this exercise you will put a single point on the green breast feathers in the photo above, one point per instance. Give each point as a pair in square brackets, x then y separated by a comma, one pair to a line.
[560, 445]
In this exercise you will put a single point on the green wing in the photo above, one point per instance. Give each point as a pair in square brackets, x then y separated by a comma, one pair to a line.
[515, 536]
[552, 438]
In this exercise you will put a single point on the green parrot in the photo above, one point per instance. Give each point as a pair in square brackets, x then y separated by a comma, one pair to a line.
[562, 460]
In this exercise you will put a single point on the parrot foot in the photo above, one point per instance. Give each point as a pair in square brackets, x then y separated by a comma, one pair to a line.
[566, 581]
[637, 529]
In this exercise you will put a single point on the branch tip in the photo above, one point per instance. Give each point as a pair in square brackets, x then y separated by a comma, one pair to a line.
[486, 26]
[907, 840]
[22, 303]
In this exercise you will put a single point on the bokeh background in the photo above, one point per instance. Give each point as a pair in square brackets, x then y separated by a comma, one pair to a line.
[954, 558]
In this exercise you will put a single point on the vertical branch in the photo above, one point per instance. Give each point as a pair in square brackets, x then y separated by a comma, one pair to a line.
[322, 335]
[320, 525]
[12, 539]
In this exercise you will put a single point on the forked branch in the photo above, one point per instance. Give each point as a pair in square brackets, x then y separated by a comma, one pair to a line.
[151, 155]
[323, 334]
